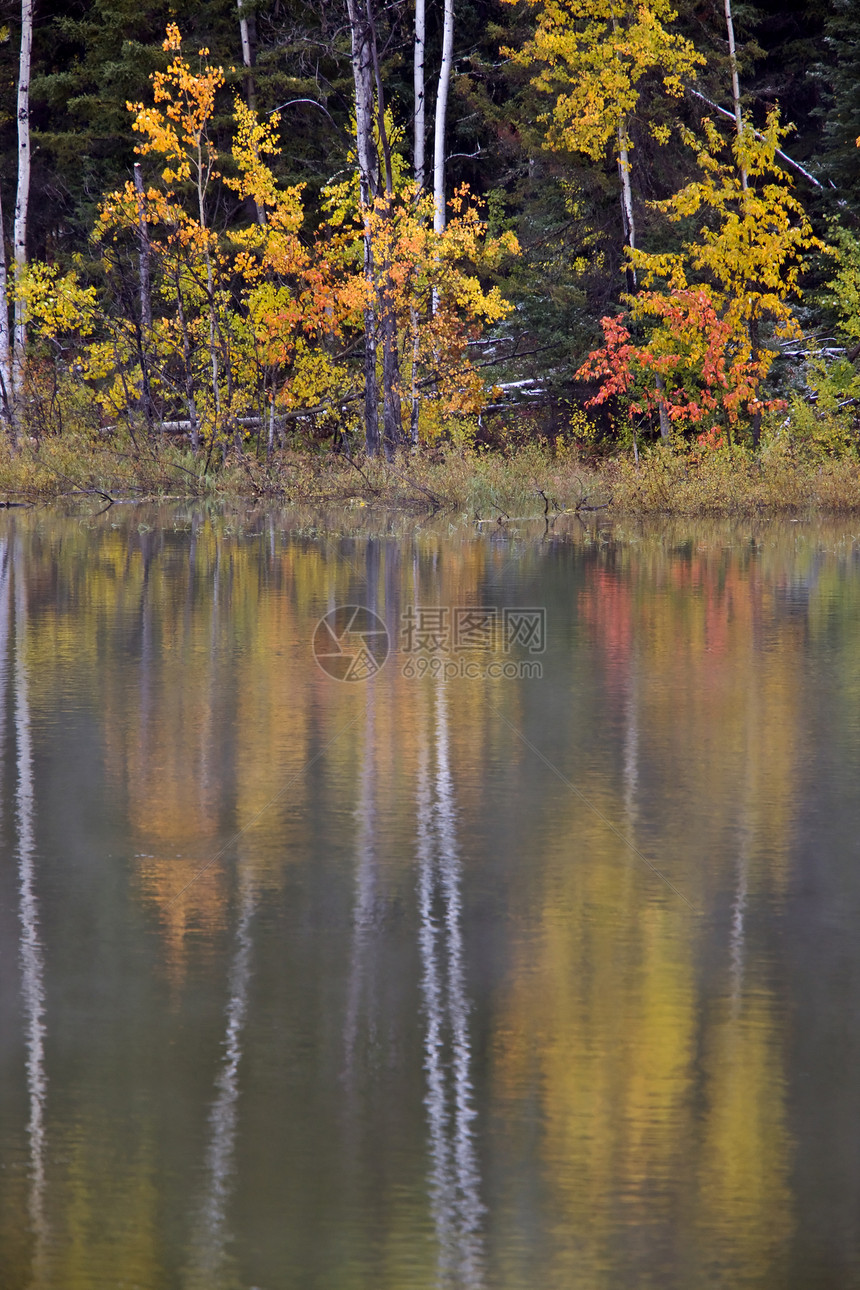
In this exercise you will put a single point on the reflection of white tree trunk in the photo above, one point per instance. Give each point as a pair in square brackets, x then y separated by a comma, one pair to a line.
[441, 1197]
[366, 894]
[631, 747]
[32, 955]
[737, 936]
[455, 1180]
[210, 1245]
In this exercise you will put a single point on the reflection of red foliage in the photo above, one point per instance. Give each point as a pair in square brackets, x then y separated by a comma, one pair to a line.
[607, 607]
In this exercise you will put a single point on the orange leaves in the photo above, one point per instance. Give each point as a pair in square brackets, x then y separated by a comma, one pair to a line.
[271, 314]
[178, 132]
[429, 280]
[712, 310]
[703, 359]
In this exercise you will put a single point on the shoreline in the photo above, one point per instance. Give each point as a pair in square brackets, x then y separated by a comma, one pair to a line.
[531, 482]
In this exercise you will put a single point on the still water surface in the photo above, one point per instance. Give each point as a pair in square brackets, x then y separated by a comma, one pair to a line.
[542, 979]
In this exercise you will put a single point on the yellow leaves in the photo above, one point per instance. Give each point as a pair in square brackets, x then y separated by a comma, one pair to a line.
[844, 287]
[279, 244]
[178, 132]
[56, 304]
[752, 236]
[173, 41]
[592, 56]
[315, 376]
[268, 311]
[707, 305]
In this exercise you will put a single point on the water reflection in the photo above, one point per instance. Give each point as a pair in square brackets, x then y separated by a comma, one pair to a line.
[31, 949]
[434, 1024]
[210, 1243]
[366, 909]
[454, 1178]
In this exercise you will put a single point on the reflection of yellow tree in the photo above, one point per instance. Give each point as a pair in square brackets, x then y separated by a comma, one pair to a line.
[744, 1165]
[608, 1037]
[110, 1212]
[604, 1017]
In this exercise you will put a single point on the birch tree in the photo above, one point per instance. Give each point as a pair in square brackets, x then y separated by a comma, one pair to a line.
[22, 199]
[594, 56]
[736, 85]
[5, 345]
[419, 52]
[376, 190]
[441, 117]
[368, 183]
[247, 52]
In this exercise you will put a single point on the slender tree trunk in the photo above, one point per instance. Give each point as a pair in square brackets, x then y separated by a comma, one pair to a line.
[739, 127]
[210, 283]
[418, 82]
[755, 352]
[189, 374]
[420, 129]
[145, 293]
[368, 179]
[627, 219]
[415, 406]
[392, 412]
[392, 424]
[371, 388]
[5, 338]
[736, 85]
[22, 199]
[629, 225]
[246, 35]
[665, 423]
[247, 55]
[441, 115]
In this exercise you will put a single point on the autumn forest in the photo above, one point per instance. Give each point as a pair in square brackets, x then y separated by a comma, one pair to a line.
[349, 227]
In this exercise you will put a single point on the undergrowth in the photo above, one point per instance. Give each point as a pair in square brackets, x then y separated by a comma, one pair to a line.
[532, 480]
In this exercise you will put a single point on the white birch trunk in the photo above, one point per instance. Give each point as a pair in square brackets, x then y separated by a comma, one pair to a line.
[736, 85]
[247, 54]
[418, 82]
[22, 199]
[420, 127]
[626, 191]
[250, 90]
[441, 115]
[5, 336]
[630, 240]
[362, 73]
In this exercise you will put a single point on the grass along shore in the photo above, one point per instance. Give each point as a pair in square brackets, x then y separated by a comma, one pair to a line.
[491, 487]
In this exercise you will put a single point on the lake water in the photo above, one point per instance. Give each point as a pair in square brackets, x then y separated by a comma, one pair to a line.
[527, 957]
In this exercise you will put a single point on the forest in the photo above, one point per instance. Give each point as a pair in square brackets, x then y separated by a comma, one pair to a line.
[374, 229]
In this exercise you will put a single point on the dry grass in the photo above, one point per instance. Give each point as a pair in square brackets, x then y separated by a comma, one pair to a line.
[525, 483]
